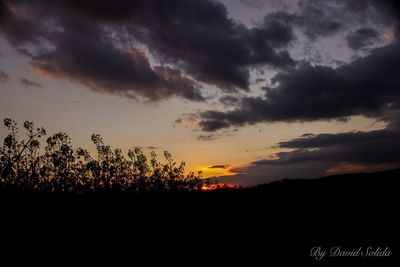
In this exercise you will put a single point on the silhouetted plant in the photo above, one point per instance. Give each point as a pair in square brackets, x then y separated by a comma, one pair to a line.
[61, 168]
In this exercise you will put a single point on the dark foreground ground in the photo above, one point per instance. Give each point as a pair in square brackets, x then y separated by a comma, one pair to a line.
[278, 222]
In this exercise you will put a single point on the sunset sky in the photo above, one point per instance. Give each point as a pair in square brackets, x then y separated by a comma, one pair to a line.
[247, 90]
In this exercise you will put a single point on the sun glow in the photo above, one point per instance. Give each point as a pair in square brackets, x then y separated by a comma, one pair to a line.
[207, 172]
[218, 186]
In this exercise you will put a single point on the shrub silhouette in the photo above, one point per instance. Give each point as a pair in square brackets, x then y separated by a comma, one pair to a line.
[61, 168]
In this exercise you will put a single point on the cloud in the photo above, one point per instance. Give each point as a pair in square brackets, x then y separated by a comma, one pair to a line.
[192, 42]
[229, 100]
[212, 122]
[82, 51]
[208, 137]
[218, 167]
[149, 147]
[314, 156]
[3, 76]
[258, 4]
[15, 26]
[367, 86]
[95, 62]
[30, 83]
[332, 140]
[362, 38]
[260, 80]
[348, 167]
[327, 18]
[193, 37]
[261, 174]
[188, 120]
[313, 18]
[380, 146]
[200, 38]
[318, 18]
[386, 11]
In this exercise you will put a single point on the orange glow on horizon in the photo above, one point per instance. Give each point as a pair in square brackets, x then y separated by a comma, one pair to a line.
[218, 186]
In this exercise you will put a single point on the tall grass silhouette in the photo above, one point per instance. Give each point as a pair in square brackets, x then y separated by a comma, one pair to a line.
[60, 167]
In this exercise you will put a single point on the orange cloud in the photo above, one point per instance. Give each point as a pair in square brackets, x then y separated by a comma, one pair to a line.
[43, 73]
[389, 37]
[18, 13]
[348, 167]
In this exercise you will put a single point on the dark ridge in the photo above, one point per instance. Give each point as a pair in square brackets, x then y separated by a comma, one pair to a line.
[280, 221]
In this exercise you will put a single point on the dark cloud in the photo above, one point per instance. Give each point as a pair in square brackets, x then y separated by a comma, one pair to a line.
[80, 50]
[3, 76]
[318, 18]
[200, 38]
[149, 147]
[258, 4]
[380, 146]
[276, 29]
[197, 37]
[229, 100]
[316, 155]
[82, 54]
[188, 120]
[362, 38]
[208, 137]
[261, 174]
[388, 11]
[392, 117]
[30, 83]
[218, 167]
[214, 120]
[314, 19]
[15, 26]
[367, 86]
[331, 140]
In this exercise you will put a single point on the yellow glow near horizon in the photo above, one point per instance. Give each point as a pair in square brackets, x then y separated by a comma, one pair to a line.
[208, 172]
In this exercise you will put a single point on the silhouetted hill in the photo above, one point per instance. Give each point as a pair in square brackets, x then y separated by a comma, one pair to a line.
[282, 220]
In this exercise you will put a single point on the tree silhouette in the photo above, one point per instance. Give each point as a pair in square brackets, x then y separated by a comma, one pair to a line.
[61, 168]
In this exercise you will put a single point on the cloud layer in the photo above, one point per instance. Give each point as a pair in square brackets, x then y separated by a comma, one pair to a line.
[103, 44]
[367, 86]
[158, 49]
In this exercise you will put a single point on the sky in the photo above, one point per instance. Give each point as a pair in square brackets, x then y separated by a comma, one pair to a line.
[249, 91]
